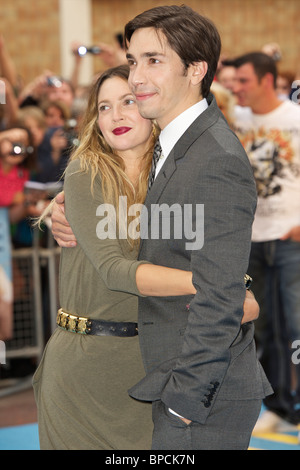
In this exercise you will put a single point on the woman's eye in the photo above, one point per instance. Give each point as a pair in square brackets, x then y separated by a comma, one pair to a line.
[103, 107]
[129, 101]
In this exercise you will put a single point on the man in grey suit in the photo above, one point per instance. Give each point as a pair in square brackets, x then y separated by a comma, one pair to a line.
[202, 373]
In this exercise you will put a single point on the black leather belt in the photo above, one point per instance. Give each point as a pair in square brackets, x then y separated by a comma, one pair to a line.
[86, 326]
[107, 328]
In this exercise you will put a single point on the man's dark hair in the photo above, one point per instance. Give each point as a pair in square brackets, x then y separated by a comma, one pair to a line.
[262, 64]
[192, 36]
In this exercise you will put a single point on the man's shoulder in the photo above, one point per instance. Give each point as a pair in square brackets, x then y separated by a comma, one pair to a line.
[290, 107]
[242, 116]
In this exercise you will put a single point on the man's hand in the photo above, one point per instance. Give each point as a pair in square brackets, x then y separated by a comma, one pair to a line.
[251, 308]
[61, 229]
[186, 421]
[293, 234]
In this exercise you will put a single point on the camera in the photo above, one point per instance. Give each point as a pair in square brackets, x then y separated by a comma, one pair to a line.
[70, 133]
[83, 50]
[54, 81]
[276, 56]
[19, 149]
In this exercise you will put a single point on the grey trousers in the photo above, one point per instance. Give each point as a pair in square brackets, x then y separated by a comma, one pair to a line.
[228, 427]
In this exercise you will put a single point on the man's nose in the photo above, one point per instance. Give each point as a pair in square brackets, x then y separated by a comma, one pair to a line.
[137, 75]
[236, 86]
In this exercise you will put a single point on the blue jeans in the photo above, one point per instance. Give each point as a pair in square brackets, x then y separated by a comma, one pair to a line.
[275, 269]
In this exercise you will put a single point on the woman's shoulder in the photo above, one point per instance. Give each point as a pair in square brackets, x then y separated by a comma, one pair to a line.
[78, 177]
[73, 167]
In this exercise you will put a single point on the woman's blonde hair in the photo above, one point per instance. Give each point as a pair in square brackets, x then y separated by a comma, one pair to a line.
[225, 101]
[97, 157]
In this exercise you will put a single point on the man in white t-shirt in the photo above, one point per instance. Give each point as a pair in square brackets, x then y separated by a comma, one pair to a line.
[269, 130]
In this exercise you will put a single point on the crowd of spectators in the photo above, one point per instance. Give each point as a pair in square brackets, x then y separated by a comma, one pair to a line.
[263, 104]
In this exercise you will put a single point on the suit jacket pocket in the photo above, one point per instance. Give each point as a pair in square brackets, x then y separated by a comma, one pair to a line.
[244, 379]
[243, 340]
[151, 386]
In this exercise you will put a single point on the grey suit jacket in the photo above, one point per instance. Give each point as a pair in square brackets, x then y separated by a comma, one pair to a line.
[194, 348]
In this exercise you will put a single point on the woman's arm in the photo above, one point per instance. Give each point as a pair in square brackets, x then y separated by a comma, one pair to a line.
[160, 281]
[151, 280]
[106, 254]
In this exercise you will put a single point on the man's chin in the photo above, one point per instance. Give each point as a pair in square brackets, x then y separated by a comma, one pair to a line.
[147, 113]
[243, 103]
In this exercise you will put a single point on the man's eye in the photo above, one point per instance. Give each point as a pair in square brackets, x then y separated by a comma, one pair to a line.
[152, 60]
[131, 62]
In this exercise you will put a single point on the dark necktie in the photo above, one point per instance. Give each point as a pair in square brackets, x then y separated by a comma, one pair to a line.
[156, 156]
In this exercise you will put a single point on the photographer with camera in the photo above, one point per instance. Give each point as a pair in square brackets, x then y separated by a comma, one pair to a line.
[47, 86]
[111, 55]
[53, 143]
[17, 158]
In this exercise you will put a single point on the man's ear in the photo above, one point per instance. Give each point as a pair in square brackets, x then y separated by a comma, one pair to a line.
[198, 72]
[268, 80]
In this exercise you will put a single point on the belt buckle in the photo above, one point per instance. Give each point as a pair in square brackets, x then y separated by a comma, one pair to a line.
[73, 323]
[83, 325]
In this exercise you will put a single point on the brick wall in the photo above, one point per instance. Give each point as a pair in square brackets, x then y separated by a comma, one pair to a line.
[31, 27]
[245, 25]
[31, 32]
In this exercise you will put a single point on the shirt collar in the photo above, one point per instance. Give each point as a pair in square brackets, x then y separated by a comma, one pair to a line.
[170, 135]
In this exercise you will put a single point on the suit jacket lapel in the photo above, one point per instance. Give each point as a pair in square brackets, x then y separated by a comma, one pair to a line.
[198, 127]
[155, 192]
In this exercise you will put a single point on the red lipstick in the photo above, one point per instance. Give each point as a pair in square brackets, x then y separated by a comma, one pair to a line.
[121, 130]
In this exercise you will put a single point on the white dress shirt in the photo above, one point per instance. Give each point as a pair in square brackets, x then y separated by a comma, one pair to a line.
[170, 135]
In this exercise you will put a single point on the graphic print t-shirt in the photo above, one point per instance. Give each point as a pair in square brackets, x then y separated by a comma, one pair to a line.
[272, 142]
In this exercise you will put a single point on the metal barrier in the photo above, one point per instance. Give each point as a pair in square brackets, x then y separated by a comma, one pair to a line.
[35, 280]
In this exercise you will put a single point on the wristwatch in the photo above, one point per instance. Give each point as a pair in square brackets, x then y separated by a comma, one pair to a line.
[248, 281]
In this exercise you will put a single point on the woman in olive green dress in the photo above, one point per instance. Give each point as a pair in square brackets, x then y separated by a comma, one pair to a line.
[88, 365]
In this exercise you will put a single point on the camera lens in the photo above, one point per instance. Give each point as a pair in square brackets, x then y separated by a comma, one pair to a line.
[18, 149]
[82, 50]
[54, 81]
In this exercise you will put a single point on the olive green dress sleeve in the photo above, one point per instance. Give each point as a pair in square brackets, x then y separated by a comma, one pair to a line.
[81, 207]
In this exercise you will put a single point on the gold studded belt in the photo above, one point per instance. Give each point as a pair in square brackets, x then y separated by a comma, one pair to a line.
[86, 326]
